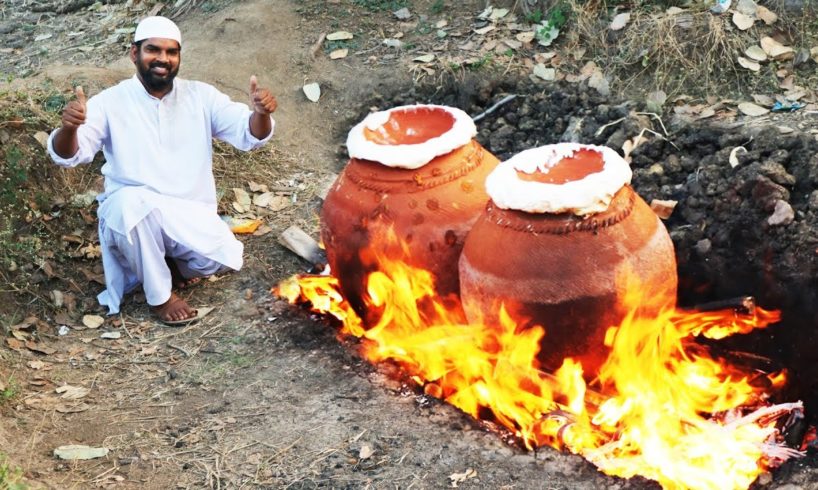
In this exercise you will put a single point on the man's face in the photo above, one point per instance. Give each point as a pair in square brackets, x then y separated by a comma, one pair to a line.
[157, 62]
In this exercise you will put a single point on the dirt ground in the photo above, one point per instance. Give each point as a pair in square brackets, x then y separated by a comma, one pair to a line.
[261, 394]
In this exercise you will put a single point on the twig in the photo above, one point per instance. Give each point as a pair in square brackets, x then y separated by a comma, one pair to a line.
[493, 108]
[656, 116]
[606, 126]
[180, 349]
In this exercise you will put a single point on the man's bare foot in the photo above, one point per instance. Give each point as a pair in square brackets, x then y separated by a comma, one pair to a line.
[177, 279]
[174, 309]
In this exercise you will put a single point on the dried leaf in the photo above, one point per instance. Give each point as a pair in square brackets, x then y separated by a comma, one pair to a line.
[776, 50]
[763, 100]
[620, 21]
[92, 321]
[458, 478]
[148, 351]
[69, 392]
[263, 200]
[366, 452]
[663, 208]
[750, 109]
[497, 14]
[548, 74]
[600, 83]
[743, 21]
[734, 156]
[42, 138]
[37, 365]
[242, 197]
[263, 230]
[111, 335]
[77, 452]
[72, 408]
[426, 58]
[38, 347]
[338, 54]
[485, 30]
[312, 91]
[768, 16]
[755, 53]
[525, 37]
[256, 187]
[15, 344]
[278, 203]
[339, 36]
[749, 64]
[747, 7]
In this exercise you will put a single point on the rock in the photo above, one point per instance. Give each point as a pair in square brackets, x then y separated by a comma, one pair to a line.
[78, 451]
[766, 193]
[777, 173]
[703, 246]
[812, 204]
[783, 214]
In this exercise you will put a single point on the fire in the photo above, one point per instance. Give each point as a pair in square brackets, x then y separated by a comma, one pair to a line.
[660, 407]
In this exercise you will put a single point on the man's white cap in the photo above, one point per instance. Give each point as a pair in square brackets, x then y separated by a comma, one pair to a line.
[157, 26]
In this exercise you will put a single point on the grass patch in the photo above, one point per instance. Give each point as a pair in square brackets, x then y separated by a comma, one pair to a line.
[11, 477]
[381, 5]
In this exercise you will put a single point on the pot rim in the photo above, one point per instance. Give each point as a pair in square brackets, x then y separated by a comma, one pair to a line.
[409, 156]
[590, 194]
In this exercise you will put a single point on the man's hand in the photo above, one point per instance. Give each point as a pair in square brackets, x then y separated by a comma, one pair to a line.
[262, 101]
[73, 116]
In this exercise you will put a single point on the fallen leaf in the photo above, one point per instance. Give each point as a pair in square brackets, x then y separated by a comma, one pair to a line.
[148, 351]
[497, 14]
[402, 14]
[92, 321]
[263, 230]
[38, 347]
[655, 101]
[15, 344]
[442, 23]
[312, 91]
[42, 138]
[749, 64]
[277, 203]
[750, 109]
[72, 408]
[734, 156]
[620, 21]
[663, 208]
[77, 451]
[485, 30]
[776, 50]
[426, 58]
[458, 478]
[525, 37]
[339, 36]
[68, 392]
[743, 21]
[338, 54]
[763, 100]
[256, 187]
[600, 83]
[766, 15]
[548, 74]
[747, 7]
[36, 365]
[366, 452]
[755, 52]
[263, 200]
[111, 335]
[242, 197]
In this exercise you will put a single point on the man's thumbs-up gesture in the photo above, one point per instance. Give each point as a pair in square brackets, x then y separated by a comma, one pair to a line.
[261, 100]
[74, 113]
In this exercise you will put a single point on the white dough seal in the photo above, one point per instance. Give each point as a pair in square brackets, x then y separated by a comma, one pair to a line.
[409, 156]
[590, 194]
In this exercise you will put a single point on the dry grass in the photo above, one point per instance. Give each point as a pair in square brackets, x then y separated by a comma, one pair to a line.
[693, 52]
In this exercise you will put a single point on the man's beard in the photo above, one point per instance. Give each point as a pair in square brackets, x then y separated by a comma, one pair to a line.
[153, 81]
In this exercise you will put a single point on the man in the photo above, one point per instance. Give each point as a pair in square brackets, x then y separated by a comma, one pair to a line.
[158, 224]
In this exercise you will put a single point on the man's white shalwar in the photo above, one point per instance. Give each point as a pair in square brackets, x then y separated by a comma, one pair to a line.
[158, 175]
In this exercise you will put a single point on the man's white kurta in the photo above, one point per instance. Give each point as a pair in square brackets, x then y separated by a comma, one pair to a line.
[158, 154]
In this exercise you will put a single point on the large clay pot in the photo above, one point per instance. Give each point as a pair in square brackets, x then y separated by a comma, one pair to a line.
[418, 170]
[564, 262]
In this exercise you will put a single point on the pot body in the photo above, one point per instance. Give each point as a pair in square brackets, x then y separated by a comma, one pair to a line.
[568, 274]
[430, 210]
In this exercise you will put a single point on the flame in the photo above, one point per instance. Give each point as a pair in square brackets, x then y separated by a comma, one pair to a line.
[660, 407]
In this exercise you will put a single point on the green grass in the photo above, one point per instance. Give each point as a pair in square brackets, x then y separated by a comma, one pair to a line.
[11, 477]
[11, 390]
